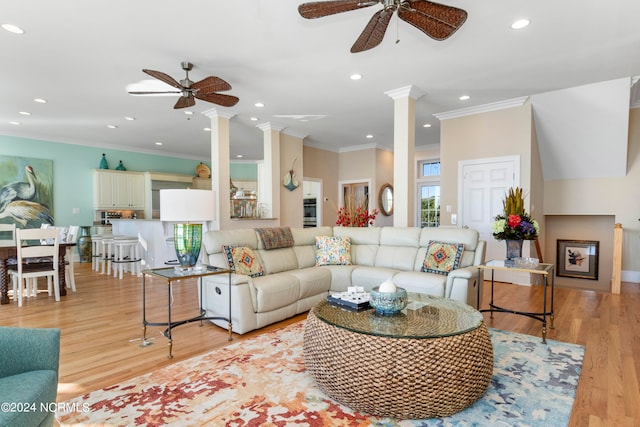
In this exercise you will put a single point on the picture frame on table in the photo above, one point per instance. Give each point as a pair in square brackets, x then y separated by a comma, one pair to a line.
[577, 258]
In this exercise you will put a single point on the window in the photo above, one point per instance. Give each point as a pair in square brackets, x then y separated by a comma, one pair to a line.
[429, 193]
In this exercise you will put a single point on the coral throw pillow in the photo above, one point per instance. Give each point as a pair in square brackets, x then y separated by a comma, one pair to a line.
[333, 250]
[442, 258]
[242, 260]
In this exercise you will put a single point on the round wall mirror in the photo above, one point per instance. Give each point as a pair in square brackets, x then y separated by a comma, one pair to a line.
[385, 199]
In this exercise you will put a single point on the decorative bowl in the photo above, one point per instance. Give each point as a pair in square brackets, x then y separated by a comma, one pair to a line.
[526, 262]
[388, 303]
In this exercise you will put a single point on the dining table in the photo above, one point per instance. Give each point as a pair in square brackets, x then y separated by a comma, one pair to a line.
[8, 250]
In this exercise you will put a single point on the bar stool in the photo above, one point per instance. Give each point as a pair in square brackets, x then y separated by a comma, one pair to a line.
[96, 252]
[126, 255]
[107, 253]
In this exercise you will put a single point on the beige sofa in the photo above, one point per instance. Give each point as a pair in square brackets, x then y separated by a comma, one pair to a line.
[292, 282]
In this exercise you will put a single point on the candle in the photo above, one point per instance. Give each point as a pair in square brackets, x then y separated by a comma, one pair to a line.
[387, 287]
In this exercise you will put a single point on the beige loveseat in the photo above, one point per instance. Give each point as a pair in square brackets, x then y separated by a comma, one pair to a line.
[292, 283]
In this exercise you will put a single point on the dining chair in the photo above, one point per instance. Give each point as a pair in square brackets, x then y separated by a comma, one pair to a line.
[72, 237]
[28, 247]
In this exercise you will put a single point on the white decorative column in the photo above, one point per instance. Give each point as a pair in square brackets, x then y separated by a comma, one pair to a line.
[220, 173]
[404, 143]
[272, 174]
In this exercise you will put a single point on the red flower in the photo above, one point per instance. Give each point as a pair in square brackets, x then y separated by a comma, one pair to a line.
[514, 220]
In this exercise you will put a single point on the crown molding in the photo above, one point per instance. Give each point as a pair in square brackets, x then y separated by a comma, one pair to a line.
[213, 113]
[269, 126]
[405, 92]
[294, 133]
[494, 106]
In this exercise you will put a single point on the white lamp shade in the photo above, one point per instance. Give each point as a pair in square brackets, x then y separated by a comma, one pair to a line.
[187, 205]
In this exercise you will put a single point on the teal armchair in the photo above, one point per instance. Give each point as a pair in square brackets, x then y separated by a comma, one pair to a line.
[29, 360]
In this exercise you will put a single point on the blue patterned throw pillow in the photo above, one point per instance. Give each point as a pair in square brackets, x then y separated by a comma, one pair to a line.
[242, 260]
[442, 258]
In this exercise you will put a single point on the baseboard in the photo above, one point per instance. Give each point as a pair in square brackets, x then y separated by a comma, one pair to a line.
[630, 276]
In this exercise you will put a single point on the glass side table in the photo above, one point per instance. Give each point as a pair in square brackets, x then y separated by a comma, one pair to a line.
[171, 275]
[545, 270]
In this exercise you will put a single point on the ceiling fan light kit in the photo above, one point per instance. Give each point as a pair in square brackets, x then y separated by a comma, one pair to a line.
[206, 89]
[436, 20]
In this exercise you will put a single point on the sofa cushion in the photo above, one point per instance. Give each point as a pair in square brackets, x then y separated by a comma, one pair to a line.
[396, 257]
[242, 260]
[278, 260]
[424, 283]
[370, 277]
[305, 244]
[331, 250]
[274, 291]
[312, 280]
[442, 258]
[365, 242]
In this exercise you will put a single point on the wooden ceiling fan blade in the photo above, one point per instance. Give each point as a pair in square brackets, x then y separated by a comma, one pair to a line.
[318, 9]
[219, 98]
[152, 93]
[373, 33]
[185, 102]
[211, 84]
[435, 20]
[163, 77]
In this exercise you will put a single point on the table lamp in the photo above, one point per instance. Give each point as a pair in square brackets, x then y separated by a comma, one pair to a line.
[189, 208]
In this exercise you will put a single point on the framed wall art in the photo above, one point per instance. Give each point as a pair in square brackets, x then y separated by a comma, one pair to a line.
[26, 191]
[577, 258]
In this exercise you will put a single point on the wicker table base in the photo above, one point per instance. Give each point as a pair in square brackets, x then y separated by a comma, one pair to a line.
[403, 378]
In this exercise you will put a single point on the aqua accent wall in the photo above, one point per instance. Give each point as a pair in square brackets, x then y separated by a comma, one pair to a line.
[73, 167]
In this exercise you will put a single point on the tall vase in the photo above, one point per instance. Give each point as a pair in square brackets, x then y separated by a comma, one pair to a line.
[84, 244]
[514, 249]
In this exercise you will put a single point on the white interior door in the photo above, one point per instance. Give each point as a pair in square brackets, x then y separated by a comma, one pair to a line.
[483, 184]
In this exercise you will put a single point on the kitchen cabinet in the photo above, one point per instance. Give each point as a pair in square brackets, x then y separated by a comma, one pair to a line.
[118, 190]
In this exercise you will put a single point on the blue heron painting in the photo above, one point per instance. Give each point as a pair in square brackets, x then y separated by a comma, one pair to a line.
[26, 191]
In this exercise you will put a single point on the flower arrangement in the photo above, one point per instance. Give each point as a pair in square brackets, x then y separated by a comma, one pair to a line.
[514, 223]
[351, 215]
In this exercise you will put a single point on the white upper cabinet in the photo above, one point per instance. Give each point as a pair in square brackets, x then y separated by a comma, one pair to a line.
[118, 190]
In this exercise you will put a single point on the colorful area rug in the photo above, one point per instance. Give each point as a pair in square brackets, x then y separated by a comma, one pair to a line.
[263, 382]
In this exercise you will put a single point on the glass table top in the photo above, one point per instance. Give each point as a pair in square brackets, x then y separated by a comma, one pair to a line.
[175, 273]
[426, 316]
[495, 264]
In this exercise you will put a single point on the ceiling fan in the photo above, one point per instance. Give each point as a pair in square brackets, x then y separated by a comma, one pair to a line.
[435, 20]
[206, 89]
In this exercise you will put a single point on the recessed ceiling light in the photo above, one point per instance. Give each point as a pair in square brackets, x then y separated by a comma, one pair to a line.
[369, 136]
[14, 123]
[206, 129]
[129, 118]
[188, 113]
[13, 28]
[356, 76]
[239, 156]
[259, 104]
[520, 24]
[25, 113]
[112, 126]
[158, 143]
[40, 101]
[464, 97]
[426, 125]
[254, 119]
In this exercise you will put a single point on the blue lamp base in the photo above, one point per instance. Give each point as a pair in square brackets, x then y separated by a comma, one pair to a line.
[187, 239]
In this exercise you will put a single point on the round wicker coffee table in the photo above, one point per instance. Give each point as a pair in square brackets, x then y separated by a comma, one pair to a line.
[433, 359]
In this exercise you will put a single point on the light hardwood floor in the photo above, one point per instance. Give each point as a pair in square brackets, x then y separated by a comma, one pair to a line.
[101, 325]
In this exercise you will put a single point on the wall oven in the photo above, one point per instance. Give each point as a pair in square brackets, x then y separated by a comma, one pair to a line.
[309, 218]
